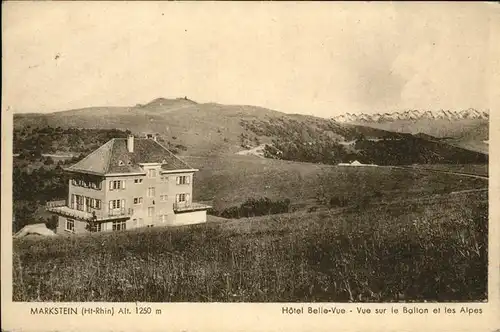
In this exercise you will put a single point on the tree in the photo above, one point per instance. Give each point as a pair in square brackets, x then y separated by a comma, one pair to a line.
[48, 161]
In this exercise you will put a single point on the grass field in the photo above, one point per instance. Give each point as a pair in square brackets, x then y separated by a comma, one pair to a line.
[432, 249]
[230, 180]
[477, 169]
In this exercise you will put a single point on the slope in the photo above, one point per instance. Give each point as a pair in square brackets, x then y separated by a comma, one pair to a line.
[215, 129]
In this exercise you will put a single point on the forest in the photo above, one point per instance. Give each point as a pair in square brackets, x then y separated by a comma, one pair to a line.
[33, 141]
[331, 143]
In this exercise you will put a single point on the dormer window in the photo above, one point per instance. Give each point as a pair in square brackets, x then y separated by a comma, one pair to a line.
[120, 163]
[129, 163]
[164, 161]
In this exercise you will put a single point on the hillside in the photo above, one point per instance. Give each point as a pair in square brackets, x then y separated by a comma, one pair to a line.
[229, 181]
[215, 129]
[205, 129]
[329, 142]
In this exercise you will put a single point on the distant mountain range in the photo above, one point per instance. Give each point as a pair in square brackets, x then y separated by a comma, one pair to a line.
[467, 114]
[468, 129]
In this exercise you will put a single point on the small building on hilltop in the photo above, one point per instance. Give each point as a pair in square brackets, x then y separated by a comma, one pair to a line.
[355, 163]
[128, 183]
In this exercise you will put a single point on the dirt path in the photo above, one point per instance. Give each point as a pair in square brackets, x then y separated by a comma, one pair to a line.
[468, 191]
[443, 171]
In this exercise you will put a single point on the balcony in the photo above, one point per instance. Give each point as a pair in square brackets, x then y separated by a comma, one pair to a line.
[180, 207]
[122, 212]
[52, 204]
[60, 208]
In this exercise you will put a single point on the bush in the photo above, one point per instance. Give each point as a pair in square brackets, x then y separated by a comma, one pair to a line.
[51, 222]
[253, 208]
[48, 161]
[338, 201]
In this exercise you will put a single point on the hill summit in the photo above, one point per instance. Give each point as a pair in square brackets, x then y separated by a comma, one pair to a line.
[166, 102]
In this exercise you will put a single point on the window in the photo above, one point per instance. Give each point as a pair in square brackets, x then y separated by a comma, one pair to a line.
[137, 180]
[116, 204]
[70, 225]
[138, 200]
[79, 202]
[163, 198]
[183, 179]
[151, 211]
[120, 163]
[152, 173]
[163, 218]
[151, 192]
[164, 178]
[119, 225]
[88, 204]
[182, 198]
[95, 227]
[116, 184]
[98, 204]
[93, 184]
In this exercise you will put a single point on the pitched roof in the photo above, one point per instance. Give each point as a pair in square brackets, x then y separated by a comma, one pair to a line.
[113, 157]
[38, 229]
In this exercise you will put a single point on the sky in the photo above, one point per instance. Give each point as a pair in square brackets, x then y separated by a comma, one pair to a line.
[317, 58]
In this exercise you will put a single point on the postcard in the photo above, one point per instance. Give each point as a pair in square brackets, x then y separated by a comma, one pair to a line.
[261, 166]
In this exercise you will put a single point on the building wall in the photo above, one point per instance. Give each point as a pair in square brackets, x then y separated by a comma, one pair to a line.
[188, 218]
[80, 226]
[87, 192]
[163, 215]
[153, 201]
[171, 189]
[163, 184]
[132, 190]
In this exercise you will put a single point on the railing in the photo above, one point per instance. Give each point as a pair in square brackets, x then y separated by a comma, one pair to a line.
[186, 206]
[53, 204]
[181, 205]
[60, 207]
[120, 212]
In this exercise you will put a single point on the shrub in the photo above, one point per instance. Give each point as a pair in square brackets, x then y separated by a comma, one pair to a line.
[48, 161]
[254, 207]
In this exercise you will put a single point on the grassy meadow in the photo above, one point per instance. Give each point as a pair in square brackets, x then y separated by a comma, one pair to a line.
[475, 169]
[230, 180]
[431, 248]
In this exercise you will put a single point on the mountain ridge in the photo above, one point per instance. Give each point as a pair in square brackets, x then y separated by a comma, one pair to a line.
[470, 113]
[218, 129]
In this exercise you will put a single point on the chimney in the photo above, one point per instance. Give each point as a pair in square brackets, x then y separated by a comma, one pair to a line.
[155, 138]
[130, 143]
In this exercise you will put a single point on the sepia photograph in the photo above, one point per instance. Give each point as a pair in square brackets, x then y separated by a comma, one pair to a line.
[248, 153]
